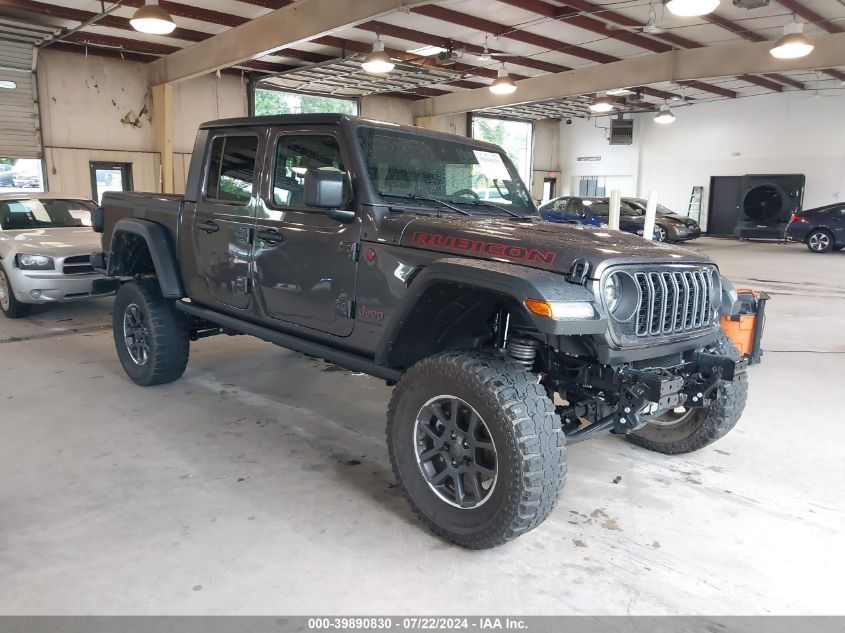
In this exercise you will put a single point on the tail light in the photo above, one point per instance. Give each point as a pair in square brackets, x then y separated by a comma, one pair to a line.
[797, 217]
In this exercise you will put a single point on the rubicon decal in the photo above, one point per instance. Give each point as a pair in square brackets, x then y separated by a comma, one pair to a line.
[494, 249]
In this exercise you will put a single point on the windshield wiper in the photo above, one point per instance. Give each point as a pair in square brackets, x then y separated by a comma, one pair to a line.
[413, 196]
[492, 205]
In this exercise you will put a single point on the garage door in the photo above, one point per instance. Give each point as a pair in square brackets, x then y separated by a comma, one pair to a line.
[19, 137]
[18, 122]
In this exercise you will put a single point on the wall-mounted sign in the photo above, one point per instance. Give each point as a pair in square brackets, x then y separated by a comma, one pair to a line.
[588, 158]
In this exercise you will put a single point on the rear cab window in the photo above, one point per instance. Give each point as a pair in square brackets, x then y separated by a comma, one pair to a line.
[231, 169]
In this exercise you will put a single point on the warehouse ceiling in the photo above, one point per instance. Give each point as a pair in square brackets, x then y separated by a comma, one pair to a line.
[535, 37]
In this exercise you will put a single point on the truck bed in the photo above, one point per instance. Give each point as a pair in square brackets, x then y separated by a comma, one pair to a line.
[163, 209]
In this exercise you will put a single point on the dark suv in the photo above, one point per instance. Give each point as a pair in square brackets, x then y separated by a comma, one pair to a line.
[370, 245]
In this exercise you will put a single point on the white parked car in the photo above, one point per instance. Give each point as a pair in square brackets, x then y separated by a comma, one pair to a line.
[46, 243]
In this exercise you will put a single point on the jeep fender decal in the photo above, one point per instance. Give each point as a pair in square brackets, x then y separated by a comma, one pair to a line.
[494, 249]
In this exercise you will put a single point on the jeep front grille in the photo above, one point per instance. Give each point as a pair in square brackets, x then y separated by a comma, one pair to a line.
[673, 302]
[77, 265]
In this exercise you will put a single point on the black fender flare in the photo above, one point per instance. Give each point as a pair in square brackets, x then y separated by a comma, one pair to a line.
[161, 252]
[511, 281]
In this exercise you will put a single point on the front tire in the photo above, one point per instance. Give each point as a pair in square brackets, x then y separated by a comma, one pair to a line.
[9, 305]
[150, 334]
[820, 241]
[662, 234]
[686, 431]
[476, 447]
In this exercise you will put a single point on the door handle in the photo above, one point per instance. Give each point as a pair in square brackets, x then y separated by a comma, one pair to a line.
[208, 227]
[271, 236]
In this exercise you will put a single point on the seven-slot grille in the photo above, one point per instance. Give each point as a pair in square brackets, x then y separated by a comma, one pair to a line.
[672, 302]
[77, 265]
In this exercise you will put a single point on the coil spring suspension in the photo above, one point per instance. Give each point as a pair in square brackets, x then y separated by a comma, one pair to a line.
[522, 350]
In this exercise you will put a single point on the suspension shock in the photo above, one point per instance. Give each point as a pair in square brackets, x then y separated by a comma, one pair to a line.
[523, 350]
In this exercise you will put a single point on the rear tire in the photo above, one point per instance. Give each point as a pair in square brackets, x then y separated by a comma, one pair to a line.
[820, 241]
[9, 305]
[476, 488]
[150, 334]
[699, 426]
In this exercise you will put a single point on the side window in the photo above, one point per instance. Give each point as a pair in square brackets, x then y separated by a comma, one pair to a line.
[295, 155]
[231, 169]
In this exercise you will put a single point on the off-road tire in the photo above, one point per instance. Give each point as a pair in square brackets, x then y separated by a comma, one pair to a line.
[15, 309]
[704, 425]
[167, 335]
[530, 445]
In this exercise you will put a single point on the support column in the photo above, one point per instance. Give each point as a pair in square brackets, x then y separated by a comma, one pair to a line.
[163, 128]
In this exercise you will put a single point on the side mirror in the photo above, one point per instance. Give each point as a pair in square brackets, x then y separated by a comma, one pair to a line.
[324, 190]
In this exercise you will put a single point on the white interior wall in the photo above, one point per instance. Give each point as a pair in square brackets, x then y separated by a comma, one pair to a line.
[790, 132]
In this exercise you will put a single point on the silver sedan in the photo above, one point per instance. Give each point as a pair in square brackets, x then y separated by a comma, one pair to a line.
[45, 248]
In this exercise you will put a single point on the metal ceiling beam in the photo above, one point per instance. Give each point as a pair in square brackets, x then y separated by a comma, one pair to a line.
[675, 66]
[705, 87]
[77, 15]
[298, 22]
[541, 7]
[419, 37]
[575, 18]
[501, 30]
[763, 83]
[751, 36]
[361, 47]
[268, 4]
[194, 13]
[810, 15]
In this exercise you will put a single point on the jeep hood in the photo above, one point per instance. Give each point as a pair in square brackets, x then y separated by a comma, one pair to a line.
[539, 244]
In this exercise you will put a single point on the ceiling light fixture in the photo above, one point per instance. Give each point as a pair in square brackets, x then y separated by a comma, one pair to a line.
[665, 115]
[691, 8]
[377, 62]
[503, 84]
[793, 43]
[427, 51]
[485, 55]
[620, 92]
[152, 19]
[602, 104]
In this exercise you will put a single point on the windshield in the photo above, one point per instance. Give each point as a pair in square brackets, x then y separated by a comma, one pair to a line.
[31, 213]
[601, 208]
[429, 170]
[640, 206]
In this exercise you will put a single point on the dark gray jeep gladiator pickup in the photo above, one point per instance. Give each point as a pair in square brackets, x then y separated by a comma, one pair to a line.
[377, 247]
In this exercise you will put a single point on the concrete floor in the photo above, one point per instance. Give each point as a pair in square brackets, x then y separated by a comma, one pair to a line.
[259, 484]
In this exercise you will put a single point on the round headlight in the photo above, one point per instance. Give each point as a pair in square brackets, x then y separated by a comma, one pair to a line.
[621, 295]
[612, 292]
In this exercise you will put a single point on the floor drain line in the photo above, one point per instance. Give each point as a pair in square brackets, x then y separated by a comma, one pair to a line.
[54, 334]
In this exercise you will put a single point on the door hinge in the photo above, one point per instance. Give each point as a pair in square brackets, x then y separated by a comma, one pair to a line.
[356, 251]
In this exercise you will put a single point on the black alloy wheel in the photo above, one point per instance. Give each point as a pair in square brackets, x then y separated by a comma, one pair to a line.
[455, 452]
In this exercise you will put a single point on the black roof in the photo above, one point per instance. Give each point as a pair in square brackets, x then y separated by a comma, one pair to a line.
[337, 119]
[280, 119]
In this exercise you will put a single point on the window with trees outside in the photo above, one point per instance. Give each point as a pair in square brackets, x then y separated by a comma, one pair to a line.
[269, 102]
[515, 137]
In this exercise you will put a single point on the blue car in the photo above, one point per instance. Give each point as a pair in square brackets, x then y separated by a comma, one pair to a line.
[593, 212]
